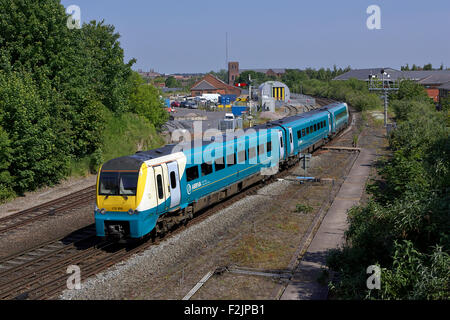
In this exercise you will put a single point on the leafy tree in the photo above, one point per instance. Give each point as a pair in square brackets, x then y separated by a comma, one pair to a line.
[222, 74]
[5, 160]
[40, 154]
[145, 100]
[411, 90]
[171, 82]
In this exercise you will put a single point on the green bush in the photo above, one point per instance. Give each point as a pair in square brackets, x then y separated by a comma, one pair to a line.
[145, 101]
[405, 226]
[352, 91]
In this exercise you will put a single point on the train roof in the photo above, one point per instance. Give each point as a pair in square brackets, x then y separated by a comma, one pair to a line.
[134, 162]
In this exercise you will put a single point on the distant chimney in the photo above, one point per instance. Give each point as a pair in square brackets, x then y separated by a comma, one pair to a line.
[233, 72]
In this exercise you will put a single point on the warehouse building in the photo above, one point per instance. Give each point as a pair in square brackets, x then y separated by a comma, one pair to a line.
[276, 90]
[431, 80]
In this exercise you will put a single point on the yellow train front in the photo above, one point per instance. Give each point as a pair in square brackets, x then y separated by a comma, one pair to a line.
[133, 191]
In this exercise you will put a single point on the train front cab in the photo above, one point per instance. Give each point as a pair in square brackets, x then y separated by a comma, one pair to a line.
[130, 208]
[119, 193]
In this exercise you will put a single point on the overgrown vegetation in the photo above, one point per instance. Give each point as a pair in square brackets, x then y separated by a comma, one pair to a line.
[405, 226]
[62, 91]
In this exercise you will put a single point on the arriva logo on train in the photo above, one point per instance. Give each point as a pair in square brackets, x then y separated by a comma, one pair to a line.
[189, 188]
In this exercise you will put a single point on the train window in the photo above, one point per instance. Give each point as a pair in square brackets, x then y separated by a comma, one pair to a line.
[315, 127]
[128, 183]
[108, 183]
[311, 129]
[207, 168]
[220, 163]
[303, 132]
[192, 173]
[231, 159]
[252, 152]
[299, 134]
[160, 186]
[290, 137]
[241, 156]
[281, 141]
[307, 130]
[260, 149]
[269, 146]
[173, 180]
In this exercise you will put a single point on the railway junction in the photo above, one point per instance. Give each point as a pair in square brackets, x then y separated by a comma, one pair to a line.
[268, 242]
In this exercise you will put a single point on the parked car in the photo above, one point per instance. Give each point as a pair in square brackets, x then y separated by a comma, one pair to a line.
[175, 104]
[191, 105]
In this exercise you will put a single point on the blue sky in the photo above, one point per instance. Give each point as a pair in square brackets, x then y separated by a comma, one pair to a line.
[189, 36]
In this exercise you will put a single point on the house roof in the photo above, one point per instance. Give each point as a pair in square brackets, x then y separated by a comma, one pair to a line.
[437, 77]
[363, 74]
[211, 82]
[203, 85]
[276, 70]
[423, 76]
[445, 86]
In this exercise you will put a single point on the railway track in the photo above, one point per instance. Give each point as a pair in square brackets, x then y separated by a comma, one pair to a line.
[48, 209]
[324, 101]
[41, 272]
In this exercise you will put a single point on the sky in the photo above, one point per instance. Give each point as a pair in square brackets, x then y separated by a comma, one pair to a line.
[189, 36]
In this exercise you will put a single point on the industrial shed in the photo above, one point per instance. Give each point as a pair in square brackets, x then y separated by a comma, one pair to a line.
[274, 89]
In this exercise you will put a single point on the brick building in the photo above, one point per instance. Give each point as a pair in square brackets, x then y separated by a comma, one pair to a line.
[233, 72]
[210, 84]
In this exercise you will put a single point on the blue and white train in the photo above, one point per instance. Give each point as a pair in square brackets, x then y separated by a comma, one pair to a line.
[157, 189]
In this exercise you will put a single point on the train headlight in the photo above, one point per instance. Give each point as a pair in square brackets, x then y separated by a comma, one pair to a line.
[103, 211]
[131, 212]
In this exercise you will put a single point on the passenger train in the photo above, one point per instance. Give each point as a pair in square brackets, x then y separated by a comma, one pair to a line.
[151, 191]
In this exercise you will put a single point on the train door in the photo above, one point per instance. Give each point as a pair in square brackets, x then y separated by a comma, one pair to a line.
[162, 189]
[329, 123]
[174, 183]
[280, 136]
[291, 142]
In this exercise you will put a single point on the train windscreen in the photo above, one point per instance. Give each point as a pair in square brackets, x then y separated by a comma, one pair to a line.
[118, 183]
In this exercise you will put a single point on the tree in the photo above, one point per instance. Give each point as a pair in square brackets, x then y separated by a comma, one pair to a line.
[145, 100]
[428, 67]
[411, 90]
[171, 82]
[405, 68]
[40, 154]
[5, 161]
[222, 75]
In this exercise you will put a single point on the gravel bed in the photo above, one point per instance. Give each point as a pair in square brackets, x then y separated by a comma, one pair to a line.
[117, 281]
